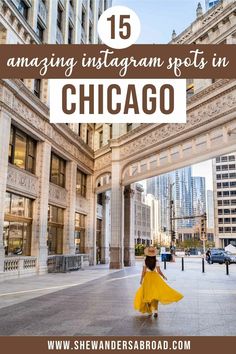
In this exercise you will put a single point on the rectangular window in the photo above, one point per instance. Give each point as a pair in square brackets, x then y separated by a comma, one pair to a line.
[22, 150]
[83, 19]
[70, 35]
[226, 220]
[224, 167]
[227, 229]
[231, 158]
[37, 87]
[58, 170]
[17, 225]
[55, 230]
[59, 17]
[40, 31]
[80, 225]
[23, 9]
[81, 183]
[90, 33]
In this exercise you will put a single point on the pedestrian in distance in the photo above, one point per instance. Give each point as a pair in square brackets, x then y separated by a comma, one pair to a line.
[208, 256]
[153, 288]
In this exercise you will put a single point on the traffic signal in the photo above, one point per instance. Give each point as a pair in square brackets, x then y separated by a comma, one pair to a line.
[203, 227]
[173, 235]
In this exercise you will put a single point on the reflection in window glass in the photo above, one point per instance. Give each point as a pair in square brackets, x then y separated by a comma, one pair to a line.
[81, 183]
[58, 170]
[22, 150]
[80, 233]
[17, 225]
[55, 230]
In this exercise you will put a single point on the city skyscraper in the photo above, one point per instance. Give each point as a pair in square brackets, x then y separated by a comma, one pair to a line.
[176, 186]
[199, 195]
[182, 190]
[210, 210]
[224, 183]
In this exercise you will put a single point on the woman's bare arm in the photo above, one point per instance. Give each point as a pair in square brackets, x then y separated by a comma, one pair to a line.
[160, 272]
[143, 273]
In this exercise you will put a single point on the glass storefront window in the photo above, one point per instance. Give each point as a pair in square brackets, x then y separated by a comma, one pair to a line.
[80, 220]
[55, 230]
[22, 150]
[17, 225]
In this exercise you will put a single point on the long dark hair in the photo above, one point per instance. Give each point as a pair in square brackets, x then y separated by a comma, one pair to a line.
[150, 262]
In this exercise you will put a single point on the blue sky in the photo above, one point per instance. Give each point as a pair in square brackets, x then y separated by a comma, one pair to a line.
[159, 17]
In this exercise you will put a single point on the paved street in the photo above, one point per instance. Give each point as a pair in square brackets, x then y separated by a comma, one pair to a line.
[98, 301]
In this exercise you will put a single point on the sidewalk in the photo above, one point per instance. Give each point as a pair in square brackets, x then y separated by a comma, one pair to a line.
[98, 301]
[14, 291]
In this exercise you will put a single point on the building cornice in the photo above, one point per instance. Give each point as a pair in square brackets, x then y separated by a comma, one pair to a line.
[209, 20]
[6, 6]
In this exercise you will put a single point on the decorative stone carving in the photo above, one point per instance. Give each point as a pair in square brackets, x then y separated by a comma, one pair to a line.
[203, 114]
[102, 162]
[42, 125]
[57, 195]
[22, 181]
[82, 204]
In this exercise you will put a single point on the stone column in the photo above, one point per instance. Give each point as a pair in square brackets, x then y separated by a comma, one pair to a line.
[5, 127]
[117, 214]
[69, 216]
[105, 229]
[129, 252]
[40, 218]
[90, 241]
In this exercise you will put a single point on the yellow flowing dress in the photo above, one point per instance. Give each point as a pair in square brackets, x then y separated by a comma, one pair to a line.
[154, 288]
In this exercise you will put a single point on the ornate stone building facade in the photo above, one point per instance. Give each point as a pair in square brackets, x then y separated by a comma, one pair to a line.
[52, 175]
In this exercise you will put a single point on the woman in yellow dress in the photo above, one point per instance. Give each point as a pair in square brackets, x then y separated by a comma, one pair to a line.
[153, 288]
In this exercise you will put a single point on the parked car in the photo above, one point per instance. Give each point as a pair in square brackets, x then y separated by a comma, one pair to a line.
[219, 256]
[232, 257]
